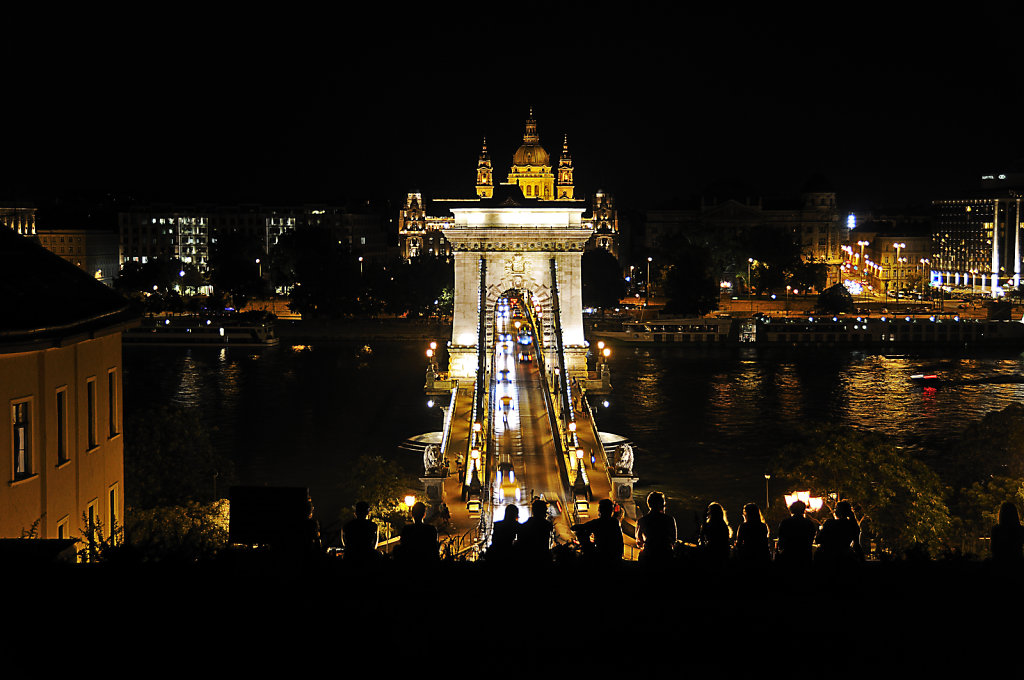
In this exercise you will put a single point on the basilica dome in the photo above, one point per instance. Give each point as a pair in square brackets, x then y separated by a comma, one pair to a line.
[531, 153]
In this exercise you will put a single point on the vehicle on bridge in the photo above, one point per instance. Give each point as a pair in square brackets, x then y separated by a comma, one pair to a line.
[505, 486]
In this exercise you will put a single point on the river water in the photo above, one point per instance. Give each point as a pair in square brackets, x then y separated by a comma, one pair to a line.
[705, 423]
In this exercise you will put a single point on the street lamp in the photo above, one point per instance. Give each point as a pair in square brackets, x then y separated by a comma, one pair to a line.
[862, 244]
[750, 262]
[896, 265]
[649, 260]
[360, 266]
[766, 478]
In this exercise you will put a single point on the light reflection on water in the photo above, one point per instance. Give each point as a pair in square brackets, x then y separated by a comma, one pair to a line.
[705, 425]
[717, 419]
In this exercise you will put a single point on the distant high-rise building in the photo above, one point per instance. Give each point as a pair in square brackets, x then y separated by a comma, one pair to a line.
[977, 242]
[188, 233]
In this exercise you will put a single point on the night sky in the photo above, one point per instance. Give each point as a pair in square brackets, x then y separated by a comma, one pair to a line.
[894, 110]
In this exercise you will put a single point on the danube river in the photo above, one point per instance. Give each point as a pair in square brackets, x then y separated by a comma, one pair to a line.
[706, 424]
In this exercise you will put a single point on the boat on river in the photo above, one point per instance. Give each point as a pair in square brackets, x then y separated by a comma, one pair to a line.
[168, 331]
[826, 330]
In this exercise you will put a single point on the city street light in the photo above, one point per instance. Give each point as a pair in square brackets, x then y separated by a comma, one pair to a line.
[649, 260]
[896, 265]
[862, 244]
[750, 299]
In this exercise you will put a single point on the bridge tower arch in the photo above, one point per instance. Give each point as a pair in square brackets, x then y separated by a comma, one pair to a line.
[517, 243]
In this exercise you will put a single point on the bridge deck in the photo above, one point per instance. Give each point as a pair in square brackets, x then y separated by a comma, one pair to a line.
[522, 437]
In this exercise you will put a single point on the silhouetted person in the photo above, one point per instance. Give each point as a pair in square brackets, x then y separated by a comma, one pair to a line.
[715, 537]
[656, 532]
[839, 538]
[1008, 536]
[752, 537]
[601, 538]
[504, 534]
[534, 537]
[796, 537]
[419, 540]
[359, 536]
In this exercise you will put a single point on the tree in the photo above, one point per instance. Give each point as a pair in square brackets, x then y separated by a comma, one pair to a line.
[378, 482]
[169, 459]
[691, 285]
[233, 267]
[899, 497]
[976, 510]
[180, 533]
[323, 275]
[990, 447]
[835, 299]
[602, 282]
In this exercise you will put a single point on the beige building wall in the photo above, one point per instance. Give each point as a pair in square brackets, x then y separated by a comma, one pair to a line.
[52, 495]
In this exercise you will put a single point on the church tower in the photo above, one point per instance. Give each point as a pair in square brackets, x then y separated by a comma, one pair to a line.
[531, 166]
[484, 180]
[565, 186]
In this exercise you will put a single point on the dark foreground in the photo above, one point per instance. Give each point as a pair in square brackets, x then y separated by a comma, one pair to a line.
[247, 612]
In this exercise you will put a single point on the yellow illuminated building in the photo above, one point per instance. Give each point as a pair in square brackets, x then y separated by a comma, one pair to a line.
[531, 171]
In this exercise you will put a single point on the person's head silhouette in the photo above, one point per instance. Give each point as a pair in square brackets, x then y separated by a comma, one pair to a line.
[656, 501]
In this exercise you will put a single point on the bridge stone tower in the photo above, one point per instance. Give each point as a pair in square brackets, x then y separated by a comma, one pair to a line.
[518, 239]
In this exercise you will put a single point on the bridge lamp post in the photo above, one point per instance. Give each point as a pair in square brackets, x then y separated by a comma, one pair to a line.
[409, 502]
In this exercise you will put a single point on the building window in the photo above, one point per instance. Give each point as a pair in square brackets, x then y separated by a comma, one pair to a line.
[90, 415]
[112, 403]
[62, 426]
[20, 421]
[113, 519]
[63, 527]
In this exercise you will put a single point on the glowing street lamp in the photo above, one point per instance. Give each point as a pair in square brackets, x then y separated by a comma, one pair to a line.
[649, 260]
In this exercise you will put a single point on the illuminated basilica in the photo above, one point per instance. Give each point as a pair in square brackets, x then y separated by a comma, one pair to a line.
[420, 225]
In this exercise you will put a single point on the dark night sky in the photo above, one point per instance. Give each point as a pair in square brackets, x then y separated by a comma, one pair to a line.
[892, 110]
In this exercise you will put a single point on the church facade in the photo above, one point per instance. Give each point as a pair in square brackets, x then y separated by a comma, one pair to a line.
[421, 222]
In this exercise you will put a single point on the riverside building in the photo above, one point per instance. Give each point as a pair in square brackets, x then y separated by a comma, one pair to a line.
[60, 383]
[977, 242]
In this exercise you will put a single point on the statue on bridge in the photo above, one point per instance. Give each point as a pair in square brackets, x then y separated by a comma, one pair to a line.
[624, 459]
[431, 459]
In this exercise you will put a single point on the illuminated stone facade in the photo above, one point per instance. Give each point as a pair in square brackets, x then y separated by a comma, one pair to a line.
[517, 240]
[20, 218]
[97, 253]
[421, 222]
[60, 358]
[812, 219]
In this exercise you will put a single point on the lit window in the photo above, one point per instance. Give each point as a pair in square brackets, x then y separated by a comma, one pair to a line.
[21, 439]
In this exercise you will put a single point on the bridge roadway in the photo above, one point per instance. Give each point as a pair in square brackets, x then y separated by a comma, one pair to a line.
[524, 438]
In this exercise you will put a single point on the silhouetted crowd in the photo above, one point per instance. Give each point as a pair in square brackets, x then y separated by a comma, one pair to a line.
[800, 540]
